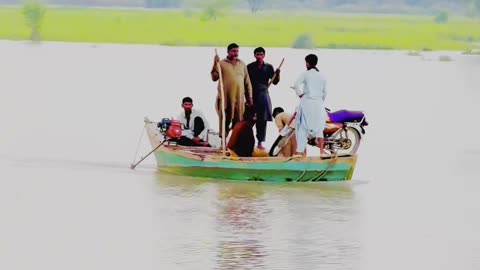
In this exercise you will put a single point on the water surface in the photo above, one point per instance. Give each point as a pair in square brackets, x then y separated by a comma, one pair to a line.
[71, 116]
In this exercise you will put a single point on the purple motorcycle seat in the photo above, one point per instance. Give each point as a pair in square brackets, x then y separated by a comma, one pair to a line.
[342, 116]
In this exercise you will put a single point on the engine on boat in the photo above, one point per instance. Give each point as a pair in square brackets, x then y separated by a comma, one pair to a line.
[170, 128]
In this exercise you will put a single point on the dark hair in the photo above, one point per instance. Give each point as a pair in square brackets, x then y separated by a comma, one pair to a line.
[312, 59]
[232, 46]
[276, 111]
[187, 99]
[258, 50]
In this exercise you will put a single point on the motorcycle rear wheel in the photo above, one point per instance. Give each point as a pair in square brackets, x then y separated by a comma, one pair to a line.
[344, 141]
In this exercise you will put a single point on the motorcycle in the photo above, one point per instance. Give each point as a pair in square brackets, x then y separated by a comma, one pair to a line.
[342, 134]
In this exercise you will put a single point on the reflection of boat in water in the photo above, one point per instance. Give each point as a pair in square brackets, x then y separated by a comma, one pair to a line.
[210, 162]
[242, 215]
[255, 221]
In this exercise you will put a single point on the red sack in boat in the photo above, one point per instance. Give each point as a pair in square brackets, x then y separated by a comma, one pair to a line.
[174, 131]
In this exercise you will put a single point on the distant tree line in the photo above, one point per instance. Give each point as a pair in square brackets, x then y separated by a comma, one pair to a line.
[396, 6]
[163, 3]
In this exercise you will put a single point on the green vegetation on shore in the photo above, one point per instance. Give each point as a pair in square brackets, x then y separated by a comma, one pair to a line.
[182, 28]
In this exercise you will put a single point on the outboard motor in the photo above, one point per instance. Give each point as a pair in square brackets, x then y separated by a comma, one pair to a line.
[163, 125]
[170, 128]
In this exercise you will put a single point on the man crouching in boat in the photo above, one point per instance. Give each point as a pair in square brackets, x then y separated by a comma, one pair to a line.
[281, 120]
[194, 125]
[242, 140]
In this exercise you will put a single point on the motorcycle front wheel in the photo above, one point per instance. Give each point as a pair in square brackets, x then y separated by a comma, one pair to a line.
[280, 142]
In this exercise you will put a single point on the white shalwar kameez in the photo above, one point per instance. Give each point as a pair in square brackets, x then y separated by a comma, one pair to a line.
[311, 115]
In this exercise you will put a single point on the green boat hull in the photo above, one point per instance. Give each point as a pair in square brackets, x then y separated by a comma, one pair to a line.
[289, 171]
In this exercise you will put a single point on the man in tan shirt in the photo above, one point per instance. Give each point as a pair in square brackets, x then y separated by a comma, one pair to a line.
[281, 120]
[236, 86]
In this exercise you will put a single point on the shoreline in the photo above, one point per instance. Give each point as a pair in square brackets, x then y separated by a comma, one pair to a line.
[221, 47]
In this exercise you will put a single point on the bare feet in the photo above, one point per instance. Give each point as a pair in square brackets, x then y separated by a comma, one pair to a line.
[297, 155]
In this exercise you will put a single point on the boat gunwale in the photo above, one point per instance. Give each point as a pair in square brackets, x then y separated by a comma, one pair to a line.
[205, 154]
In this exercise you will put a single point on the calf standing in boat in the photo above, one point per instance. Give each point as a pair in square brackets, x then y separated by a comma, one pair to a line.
[242, 141]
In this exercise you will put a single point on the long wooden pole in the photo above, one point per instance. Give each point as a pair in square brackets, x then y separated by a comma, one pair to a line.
[275, 75]
[222, 102]
[135, 165]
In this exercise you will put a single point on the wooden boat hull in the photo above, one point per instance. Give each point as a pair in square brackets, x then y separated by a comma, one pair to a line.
[210, 163]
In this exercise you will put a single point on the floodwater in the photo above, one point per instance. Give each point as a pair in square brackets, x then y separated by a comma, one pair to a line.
[71, 116]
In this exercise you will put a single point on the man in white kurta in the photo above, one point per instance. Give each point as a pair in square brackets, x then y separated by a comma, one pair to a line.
[194, 125]
[311, 115]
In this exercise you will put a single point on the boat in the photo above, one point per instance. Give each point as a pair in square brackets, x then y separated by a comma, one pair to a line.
[213, 162]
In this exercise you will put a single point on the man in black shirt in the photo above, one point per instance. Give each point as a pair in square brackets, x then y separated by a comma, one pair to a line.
[260, 74]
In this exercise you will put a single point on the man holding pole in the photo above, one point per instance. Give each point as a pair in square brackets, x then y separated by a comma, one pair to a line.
[260, 74]
[235, 86]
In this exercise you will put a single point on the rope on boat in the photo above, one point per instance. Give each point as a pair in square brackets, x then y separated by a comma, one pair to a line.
[300, 177]
[139, 141]
[323, 173]
[319, 176]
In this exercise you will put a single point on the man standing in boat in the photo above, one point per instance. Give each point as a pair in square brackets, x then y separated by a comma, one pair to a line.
[237, 87]
[310, 114]
[260, 74]
[194, 125]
